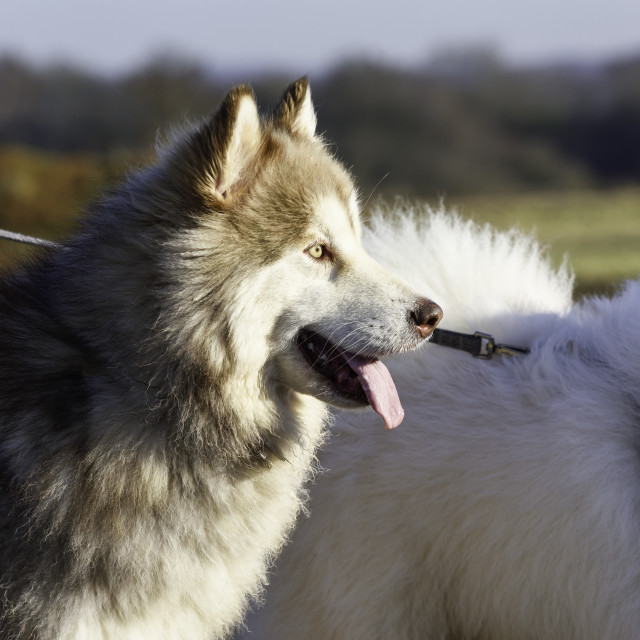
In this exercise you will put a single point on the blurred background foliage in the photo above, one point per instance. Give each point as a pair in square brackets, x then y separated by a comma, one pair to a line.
[556, 147]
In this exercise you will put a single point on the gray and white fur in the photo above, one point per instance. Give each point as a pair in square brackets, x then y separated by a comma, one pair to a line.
[157, 416]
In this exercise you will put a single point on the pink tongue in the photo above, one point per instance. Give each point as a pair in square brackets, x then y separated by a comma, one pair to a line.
[381, 392]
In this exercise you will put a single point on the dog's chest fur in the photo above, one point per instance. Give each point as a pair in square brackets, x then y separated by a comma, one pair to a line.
[196, 570]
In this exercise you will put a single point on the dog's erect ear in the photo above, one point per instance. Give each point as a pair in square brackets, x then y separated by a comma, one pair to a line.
[235, 136]
[295, 112]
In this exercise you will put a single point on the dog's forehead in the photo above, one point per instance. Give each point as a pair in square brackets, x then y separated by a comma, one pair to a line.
[337, 218]
[302, 175]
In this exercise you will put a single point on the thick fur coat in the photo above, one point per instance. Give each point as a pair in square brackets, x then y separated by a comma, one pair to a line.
[508, 503]
[164, 379]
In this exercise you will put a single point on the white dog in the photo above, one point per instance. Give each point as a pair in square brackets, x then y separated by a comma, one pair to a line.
[507, 506]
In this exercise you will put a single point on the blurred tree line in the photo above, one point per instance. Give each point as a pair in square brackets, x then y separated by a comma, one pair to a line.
[464, 123]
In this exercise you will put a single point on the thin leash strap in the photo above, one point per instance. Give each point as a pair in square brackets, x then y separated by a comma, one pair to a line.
[20, 237]
[478, 344]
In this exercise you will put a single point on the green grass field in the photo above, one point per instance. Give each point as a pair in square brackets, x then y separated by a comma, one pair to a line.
[598, 231]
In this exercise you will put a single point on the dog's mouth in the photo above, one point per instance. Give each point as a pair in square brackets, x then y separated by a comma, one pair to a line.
[364, 380]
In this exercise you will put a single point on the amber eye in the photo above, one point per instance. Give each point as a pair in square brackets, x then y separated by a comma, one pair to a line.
[316, 251]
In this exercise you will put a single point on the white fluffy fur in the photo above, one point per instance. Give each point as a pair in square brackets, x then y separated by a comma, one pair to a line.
[507, 505]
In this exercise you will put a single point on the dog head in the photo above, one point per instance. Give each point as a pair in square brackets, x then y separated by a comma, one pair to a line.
[279, 289]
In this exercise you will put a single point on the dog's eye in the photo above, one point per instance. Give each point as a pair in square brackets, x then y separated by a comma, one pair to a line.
[317, 251]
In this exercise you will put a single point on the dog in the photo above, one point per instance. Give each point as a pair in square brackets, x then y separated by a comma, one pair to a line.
[508, 504]
[166, 373]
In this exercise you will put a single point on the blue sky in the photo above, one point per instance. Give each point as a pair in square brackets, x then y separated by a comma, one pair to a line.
[116, 35]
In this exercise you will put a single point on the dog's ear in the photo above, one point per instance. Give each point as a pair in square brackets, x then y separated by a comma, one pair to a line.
[295, 112]
[216, 160]
[235, 131]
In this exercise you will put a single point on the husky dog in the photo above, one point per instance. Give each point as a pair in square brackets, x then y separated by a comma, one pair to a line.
[508, 505]
[164, 376]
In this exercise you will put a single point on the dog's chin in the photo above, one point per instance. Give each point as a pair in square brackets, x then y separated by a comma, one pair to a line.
[336, 398]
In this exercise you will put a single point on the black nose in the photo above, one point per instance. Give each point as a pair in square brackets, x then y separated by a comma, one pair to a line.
[425, 316]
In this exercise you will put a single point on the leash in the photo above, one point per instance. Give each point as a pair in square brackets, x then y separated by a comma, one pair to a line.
[478, 344]
[19, 237]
